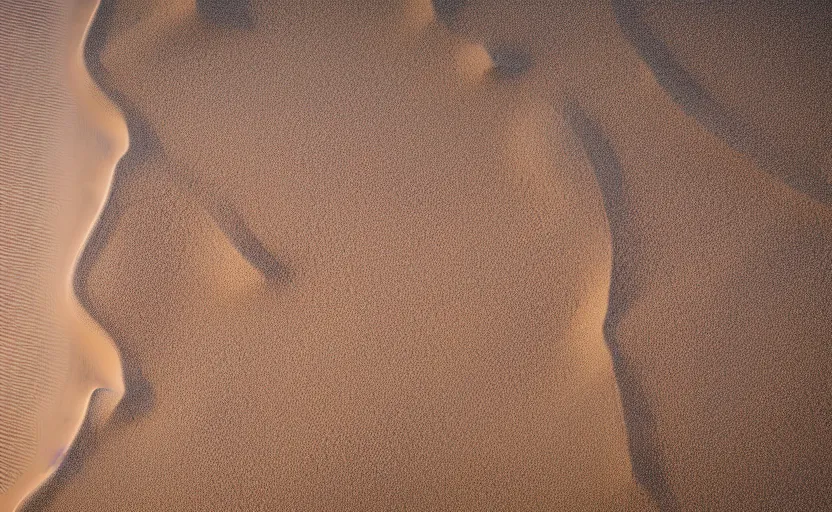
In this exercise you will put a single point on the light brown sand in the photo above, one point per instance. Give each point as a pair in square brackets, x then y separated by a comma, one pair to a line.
[353, 262]
[53, 355]
[32, 366]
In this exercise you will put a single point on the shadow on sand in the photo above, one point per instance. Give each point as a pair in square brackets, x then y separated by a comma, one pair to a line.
[645, 452]
[798, 171]
[145, 147]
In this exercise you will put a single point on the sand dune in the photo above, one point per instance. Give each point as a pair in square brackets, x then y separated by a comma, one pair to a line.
[449, 255]
[53, 354]
[401, 238]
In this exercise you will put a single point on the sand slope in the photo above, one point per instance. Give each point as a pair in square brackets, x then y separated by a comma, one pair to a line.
[366, 296]
[365, 256]
[419, 346]
[720, 295]
[52, 354]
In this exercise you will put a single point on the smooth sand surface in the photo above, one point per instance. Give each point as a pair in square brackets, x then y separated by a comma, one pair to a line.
[381, 255]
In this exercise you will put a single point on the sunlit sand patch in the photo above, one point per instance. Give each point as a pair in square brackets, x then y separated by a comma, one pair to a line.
[84, 357]
[419, 13]
[186, 246]
[552, 167]
[473, 60]
[228, 272]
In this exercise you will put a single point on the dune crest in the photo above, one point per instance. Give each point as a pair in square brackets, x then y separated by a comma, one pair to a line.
[54, 355]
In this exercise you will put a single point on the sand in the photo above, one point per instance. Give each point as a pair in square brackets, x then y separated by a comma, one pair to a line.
[386, 255]
[53, 354]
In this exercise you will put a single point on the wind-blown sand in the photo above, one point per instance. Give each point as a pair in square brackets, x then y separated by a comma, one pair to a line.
[366, 257]
[51, 192]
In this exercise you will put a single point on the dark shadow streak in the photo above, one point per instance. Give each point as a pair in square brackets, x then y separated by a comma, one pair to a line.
[797, 171]
[447, 11]
[247, 244]
[509, 62]
[226, 13]
[648, 466]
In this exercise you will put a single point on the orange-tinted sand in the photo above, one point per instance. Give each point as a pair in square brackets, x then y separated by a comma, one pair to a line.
[54, 178]
[376, 255]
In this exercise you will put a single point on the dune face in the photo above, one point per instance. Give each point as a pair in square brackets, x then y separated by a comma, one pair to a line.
[31, 365]
[449, 255]
[764, 96]
[56, 158]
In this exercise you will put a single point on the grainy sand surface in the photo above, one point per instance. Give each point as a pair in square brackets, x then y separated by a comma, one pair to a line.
[412, 255]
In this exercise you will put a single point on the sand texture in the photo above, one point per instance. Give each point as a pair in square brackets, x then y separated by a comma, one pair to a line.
[55, 171]
[415, 255]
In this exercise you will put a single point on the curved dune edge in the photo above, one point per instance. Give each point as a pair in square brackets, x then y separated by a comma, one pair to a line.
[94, 359]
[798, 169]
[767, 269]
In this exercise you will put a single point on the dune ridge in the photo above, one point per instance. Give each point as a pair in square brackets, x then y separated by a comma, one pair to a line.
[54, 185]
